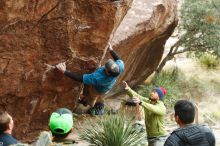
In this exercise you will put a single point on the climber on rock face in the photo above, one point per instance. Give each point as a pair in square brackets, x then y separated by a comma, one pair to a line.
[98, 83]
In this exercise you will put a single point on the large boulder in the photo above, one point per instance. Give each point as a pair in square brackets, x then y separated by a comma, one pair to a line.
[141, 37]
[34, 35]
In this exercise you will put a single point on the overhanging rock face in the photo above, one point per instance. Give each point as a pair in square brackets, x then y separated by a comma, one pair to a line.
[37, 34]
[141, 37]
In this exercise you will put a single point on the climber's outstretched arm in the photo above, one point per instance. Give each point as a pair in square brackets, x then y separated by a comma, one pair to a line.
[113, 53]
[75, 76]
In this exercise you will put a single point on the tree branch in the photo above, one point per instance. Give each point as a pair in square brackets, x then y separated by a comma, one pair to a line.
[215, 6]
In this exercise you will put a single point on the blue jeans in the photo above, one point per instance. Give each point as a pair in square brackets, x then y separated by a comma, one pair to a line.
[158, 141]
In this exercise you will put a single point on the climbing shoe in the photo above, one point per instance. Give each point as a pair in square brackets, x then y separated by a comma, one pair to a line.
[98, 109]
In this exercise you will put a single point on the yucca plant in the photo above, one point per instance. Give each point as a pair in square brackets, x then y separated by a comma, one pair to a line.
[113, 130]
[209, 60]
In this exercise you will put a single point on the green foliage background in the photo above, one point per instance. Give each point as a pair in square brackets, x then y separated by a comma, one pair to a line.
[200, 25]
[209, 61]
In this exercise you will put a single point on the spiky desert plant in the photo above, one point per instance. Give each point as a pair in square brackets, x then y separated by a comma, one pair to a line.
[112, 130]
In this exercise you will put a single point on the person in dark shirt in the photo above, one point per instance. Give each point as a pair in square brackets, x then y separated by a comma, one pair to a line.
[189, 134]
[6, 127]
[98, 83]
